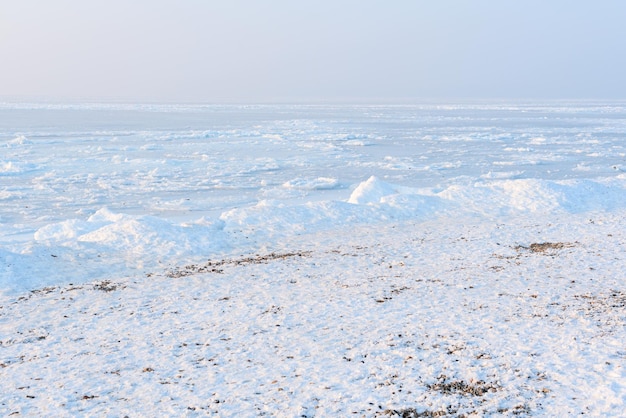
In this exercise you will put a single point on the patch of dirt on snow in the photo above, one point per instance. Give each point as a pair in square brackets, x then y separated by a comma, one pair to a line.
[604, 307]
[106, 286]
[214, 266]
[545, 247]
[413, 413]
[446, 386]
[615, 299]
[461, 387]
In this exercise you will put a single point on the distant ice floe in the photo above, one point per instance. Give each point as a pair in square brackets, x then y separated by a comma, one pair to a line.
[356, 143]
[8, 168]
[502, 175]
[19, 140]
[320, 183]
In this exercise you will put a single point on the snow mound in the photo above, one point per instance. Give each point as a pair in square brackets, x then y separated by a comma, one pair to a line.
[504, 197]
[397, 202]
[373, 190]
[372, 201]
[539, 196]
[490, 197]
[270, 218]
[142, 241]
[375, 200]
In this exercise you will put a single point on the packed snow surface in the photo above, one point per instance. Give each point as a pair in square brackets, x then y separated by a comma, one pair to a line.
[292, 260]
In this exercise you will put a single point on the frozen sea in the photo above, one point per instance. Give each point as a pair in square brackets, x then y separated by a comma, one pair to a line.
[73, 176]
[313, 260]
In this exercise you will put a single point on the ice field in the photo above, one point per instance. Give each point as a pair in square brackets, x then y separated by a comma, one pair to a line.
[313, 260]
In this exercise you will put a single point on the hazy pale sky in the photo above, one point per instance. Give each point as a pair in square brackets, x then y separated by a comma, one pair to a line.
[292, 50]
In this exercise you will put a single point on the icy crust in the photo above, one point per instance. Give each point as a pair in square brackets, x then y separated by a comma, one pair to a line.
[115, 243]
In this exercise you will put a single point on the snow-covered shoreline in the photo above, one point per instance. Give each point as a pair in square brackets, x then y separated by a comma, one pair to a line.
[459, 260]
[109, 244]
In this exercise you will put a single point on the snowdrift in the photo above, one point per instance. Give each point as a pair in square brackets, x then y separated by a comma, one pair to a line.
[108, 243]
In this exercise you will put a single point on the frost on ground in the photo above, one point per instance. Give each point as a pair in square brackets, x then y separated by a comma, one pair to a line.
[448, 317]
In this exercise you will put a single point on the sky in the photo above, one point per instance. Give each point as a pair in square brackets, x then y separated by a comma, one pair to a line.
[211, 51]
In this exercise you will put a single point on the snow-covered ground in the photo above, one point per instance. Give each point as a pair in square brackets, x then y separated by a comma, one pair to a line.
[457, 260]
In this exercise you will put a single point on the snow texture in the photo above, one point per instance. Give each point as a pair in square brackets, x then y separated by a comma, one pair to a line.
[415, 261]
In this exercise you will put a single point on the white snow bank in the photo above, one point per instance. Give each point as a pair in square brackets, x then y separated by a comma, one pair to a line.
[273, 219]
[532, 195]
[504, 197]
[108, 242]
[375, 201]
[135, 237]
[105, 245]
[497, 196]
